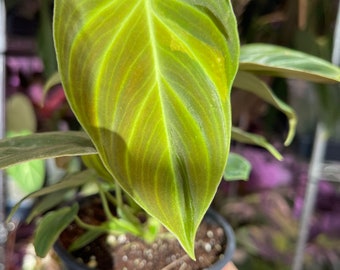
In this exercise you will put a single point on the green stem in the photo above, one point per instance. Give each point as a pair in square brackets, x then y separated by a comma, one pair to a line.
[111, 198]
[119, 195]
[86, 226]
[106, 207]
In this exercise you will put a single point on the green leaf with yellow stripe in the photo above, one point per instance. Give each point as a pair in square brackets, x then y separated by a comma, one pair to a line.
[149, 81]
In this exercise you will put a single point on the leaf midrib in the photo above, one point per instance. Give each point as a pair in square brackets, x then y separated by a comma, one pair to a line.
[155, 58]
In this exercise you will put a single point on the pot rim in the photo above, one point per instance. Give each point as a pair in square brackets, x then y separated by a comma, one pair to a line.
[230, 239]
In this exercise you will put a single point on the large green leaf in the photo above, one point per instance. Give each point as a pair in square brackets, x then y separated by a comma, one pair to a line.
[94, 162]
[283, 62]
[44, 145]
[149, 80]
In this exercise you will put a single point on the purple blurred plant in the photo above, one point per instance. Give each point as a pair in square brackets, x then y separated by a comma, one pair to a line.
[267, 171]
[266, 217]
[25, 75]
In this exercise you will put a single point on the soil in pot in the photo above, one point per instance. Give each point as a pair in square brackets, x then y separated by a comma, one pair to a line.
[133, 253]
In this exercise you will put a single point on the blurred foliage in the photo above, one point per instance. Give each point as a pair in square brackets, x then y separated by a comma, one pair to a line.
[305, 25]
[34, 18]
[266, 221]
[265, 216]
[45, 38]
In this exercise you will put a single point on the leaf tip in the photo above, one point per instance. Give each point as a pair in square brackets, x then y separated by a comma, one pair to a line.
[291, 132]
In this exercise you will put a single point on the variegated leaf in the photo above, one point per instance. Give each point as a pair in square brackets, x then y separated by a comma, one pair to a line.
[149, 80]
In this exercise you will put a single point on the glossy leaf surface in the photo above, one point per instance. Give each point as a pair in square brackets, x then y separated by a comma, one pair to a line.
[149, 80]
[283, 62]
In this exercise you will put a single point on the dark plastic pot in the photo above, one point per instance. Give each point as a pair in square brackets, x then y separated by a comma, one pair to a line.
[212, 217]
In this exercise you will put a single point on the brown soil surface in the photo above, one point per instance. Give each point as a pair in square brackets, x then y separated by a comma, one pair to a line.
[133, 253]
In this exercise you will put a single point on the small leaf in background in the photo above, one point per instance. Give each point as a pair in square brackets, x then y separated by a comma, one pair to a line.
[253, 84]
[85, 238]
[254, 139]
[238, 168]
[51, 226]
[69, 182]
[48, 202]
[52, 81]
[20, 114]
[45, 38]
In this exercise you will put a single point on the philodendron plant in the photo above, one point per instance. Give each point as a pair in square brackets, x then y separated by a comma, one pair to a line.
[149, 82]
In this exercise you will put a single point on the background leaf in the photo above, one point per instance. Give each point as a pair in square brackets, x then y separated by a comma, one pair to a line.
[238, 168]
[254, 139]
[48, 202]
[20, 114]
[45, 38]
[52, 81]
[44, 145]
[51, 225]
[150, 82]
[283, 62]
[70, 182]
[28, 176]
[251, 83]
